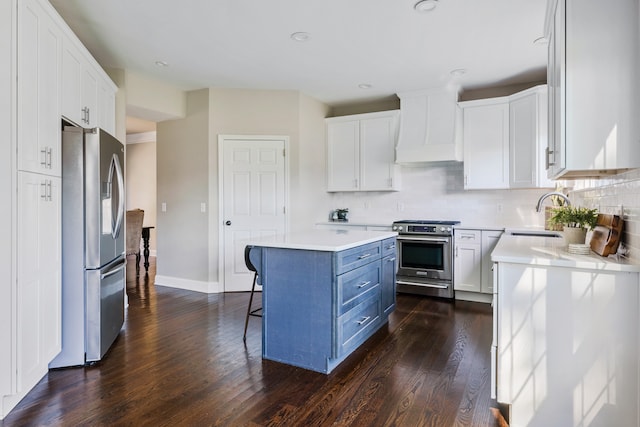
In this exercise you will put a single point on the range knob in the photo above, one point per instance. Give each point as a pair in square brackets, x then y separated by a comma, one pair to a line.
[442, 229]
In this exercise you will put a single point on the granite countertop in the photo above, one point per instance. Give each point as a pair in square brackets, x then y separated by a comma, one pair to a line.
[552, 251]
[322, 240]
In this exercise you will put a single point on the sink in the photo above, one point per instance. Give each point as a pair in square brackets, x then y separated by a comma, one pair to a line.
[534, 233]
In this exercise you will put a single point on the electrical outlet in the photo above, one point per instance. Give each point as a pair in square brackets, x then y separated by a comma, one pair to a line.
[400, 207]
[163, 207]
[367, 205]
[499, 208]
[203, 207]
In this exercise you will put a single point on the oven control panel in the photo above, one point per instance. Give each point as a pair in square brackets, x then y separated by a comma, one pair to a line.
[422, 227]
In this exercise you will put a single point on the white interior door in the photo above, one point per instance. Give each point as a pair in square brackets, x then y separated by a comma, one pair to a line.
[253, 200]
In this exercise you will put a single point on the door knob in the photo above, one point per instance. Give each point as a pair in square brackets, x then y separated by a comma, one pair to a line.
[228, 223]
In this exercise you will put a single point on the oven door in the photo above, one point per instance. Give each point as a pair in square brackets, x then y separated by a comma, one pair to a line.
[425, 257]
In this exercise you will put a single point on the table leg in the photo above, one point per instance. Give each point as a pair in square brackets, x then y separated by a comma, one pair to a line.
[145, 239]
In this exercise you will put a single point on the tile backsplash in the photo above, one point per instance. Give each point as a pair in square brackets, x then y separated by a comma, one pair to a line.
[435, 192]
[619, 195]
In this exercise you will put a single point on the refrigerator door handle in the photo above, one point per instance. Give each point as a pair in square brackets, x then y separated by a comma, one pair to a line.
[115, 168]
[112, 272]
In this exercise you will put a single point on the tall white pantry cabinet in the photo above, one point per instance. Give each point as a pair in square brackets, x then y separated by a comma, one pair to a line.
[32, 40]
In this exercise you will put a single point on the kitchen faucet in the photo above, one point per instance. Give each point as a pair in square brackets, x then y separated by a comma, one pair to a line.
[553, 193]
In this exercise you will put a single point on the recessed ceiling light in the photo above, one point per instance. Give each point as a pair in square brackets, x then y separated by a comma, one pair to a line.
[541, 40]
[425, 5]
[300, 36]
[458, 72]
[365, 86]
[162, 64]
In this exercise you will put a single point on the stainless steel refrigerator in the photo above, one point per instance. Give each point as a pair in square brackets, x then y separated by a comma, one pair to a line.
[93, 254]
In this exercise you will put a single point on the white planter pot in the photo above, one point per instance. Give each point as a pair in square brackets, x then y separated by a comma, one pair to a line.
[575, 235]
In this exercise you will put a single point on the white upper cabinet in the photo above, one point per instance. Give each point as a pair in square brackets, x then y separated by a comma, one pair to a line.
[505, 140]
[107, 107]
[361, 152]
[593, 87]
[486, 143]
[79, 87]
[88, 95]
[528, 139]
[39, 44]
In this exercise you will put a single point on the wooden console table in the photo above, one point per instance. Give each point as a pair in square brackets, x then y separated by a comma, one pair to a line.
[145, 240]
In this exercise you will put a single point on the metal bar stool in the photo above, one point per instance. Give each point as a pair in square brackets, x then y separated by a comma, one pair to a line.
[250, 312]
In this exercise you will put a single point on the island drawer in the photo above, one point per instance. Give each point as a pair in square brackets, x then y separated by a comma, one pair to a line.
[355, 285]
[353, 258]
[388, 247]
[354, 325]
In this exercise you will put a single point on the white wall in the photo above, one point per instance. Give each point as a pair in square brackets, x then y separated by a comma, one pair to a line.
[141, 183]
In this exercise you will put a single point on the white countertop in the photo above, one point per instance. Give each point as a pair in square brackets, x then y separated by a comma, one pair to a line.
[549, 251]
[323, 240]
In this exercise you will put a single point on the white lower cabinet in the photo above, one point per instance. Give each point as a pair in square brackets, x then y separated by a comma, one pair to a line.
[565, 349]
[468, 261]
[38, 290]
[473, 277]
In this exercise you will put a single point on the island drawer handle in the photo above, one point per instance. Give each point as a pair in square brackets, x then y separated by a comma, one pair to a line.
[363, 321]
[362, 285]
[391, 247]
[364, 256]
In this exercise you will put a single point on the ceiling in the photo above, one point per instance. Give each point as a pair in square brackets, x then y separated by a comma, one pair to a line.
[382, 43]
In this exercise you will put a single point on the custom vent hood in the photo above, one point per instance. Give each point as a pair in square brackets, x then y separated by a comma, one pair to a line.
[428, 122]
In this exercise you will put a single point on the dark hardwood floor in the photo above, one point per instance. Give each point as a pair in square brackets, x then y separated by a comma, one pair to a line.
[180, 360]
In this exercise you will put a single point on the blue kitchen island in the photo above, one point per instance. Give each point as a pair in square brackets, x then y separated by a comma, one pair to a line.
[324, 292]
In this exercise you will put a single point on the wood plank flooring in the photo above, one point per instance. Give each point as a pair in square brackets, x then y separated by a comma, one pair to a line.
[180, 360]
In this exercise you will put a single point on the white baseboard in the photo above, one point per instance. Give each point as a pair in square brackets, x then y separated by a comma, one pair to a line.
[188, 284]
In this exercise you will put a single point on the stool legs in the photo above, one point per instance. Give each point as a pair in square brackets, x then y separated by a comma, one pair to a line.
[249, 311]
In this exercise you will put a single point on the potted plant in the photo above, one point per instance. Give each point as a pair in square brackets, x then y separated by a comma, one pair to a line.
[557, 202]
[575, 222]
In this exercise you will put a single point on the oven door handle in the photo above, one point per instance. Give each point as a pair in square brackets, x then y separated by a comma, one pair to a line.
[424, 239]
[427, 285]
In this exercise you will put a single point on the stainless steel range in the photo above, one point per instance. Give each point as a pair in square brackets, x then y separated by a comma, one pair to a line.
[425, 257]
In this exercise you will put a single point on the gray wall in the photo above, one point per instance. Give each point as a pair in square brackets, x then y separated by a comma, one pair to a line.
[187, 169]
[182, 171]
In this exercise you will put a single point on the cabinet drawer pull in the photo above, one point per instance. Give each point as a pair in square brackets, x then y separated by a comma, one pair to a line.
[362, 285]
[390, 247]
[363, 321]
[364, 256]
[44, 157]
[391, 259]
[43, 190]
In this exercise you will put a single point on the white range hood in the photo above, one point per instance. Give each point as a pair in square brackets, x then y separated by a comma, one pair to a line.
[428, 126]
